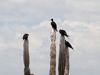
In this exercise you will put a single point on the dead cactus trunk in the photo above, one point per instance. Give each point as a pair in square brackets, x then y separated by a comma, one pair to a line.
[53, 54]
[26, 58]
[26, 55]
[67, 61]
[61, 63]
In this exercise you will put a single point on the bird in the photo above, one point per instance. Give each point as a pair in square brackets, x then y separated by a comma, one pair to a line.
[68, 44]
[54, 25]
[25, 36]
[63, 33]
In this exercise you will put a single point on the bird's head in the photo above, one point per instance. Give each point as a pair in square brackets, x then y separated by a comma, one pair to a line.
[52, 19]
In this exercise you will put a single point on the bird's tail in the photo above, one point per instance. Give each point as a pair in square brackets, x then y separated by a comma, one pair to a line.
[56, 30]
[72, 48]
[67, 36]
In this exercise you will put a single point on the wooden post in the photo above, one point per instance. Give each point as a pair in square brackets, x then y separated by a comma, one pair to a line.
[67, 61]
[61, 63]
[26, 58]
[53, 54]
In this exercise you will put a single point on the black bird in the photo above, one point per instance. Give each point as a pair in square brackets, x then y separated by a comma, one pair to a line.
[63, 33]
[53, 24]
[25, 36]
[68, 44]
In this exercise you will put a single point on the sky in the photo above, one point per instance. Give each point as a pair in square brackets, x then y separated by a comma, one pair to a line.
[80, 19]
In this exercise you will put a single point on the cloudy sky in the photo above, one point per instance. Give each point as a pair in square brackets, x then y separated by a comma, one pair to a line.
[80, 18]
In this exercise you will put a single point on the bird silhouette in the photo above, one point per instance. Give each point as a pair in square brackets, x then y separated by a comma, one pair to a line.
[53, 24]
[63, 33]
[25, 36]
[68, 44]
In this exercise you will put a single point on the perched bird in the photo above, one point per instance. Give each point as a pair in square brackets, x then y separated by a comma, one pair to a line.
[68, 44]
[63, 33]
[25, 36]
[53, 24]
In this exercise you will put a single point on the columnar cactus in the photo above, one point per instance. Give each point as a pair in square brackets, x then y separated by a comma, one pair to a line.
[26, 55]
[67, 61]
[53, 54]
[26, 58]
[61, 63]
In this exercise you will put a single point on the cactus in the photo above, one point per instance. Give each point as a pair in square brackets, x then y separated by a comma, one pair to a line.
[53, 54]
[67, 61]
[61, 63]
[26, 55]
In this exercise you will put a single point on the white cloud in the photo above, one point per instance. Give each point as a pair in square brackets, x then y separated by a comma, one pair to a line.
[79, 18]
[22, 10]
[84, 37]
[18, 0]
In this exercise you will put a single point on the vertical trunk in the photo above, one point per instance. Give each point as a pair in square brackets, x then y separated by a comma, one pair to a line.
[67, 61]
[26, 58]
[26, 53]
[61, 63]
[53, 54]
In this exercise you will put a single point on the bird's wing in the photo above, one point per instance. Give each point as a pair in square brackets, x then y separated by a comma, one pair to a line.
[64, 32]
[23, 37]
[68, 44]
[54, 25]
